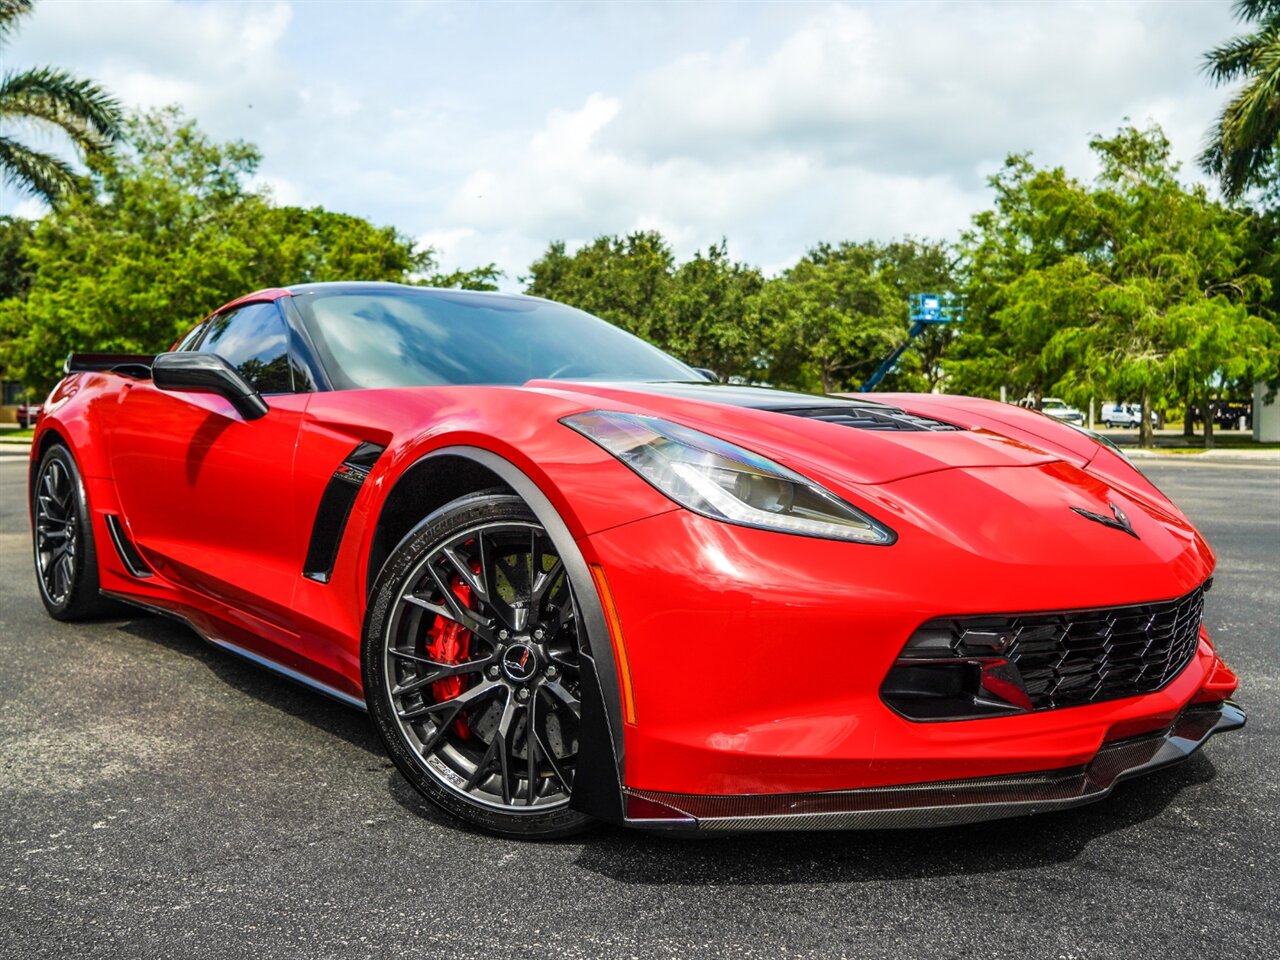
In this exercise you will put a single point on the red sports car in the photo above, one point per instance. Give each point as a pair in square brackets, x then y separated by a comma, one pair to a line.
[571, 578]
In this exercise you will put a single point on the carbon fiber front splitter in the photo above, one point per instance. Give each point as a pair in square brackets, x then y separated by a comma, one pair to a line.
[940, 803]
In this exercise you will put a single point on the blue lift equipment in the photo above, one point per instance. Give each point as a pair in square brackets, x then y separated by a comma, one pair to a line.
[926, 309]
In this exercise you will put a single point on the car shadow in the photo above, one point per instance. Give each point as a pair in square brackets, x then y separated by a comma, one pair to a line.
[269, 688]
[874, 855]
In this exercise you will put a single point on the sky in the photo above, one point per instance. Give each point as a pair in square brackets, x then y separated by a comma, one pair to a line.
[486, 130]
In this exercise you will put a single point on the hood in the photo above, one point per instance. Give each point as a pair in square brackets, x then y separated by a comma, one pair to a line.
[832, 439]
[1009, 487]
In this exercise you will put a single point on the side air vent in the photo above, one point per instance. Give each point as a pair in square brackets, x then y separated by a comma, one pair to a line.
[868, 417]
[125, 549]
[335, 506]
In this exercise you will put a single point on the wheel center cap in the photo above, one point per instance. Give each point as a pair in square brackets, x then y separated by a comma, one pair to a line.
[519, 662]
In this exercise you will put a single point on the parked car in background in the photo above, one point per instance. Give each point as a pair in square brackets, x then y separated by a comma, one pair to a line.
[28, 413]
[1123, 415]
[1058, 409]
[1233, 416]
[1226, 416]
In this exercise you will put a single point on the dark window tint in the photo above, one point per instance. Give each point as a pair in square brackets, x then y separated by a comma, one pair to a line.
[255, 341]
[191, 339]
[407, 338]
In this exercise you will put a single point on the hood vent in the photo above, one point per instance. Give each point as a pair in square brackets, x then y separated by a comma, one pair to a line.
[869, 417]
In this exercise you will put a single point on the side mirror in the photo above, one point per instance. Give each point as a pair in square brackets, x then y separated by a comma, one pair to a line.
[208, 373]
[708, 373]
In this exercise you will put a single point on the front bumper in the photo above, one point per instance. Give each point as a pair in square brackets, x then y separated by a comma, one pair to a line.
[756, 659]
[941, 803]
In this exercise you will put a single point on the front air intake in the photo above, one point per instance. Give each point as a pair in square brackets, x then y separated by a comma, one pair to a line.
[967, 667]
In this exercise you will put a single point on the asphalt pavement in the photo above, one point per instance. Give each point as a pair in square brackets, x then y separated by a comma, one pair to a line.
[160, 798]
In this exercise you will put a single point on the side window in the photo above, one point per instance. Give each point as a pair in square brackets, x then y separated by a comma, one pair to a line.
[254, 340]
[189, 341]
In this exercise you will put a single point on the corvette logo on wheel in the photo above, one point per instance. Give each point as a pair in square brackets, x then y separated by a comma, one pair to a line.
[519, 662]
[1117, 522]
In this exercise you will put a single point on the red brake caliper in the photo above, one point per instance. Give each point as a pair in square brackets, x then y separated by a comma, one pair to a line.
[449, 642]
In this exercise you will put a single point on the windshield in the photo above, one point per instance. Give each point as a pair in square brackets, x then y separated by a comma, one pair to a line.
[416, 338]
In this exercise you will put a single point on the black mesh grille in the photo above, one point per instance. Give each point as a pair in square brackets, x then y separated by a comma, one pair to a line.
[1086, 656]
[870, 418]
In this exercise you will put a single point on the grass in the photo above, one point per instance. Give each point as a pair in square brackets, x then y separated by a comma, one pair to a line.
[17, 434]
[1228, 441]
[1174, 441]
[1220, 446]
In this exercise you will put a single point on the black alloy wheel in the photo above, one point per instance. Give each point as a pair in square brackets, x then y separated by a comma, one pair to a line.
[66, 561]
[471, 667]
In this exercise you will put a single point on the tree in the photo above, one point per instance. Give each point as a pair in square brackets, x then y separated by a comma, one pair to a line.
[15, 269]
[477, 278]
[53, 99]
[1134, 288]
[1019, 259]
[1175, 312]
[624, 280]
[711, 315]
[706, 311]
[169, 232]
[832, 317]
[1244, 139]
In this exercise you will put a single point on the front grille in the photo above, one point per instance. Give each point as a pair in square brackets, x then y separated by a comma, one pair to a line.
[1085, 656]
[871, 417]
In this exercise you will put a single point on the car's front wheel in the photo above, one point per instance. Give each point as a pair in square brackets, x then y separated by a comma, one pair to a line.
[471, 667]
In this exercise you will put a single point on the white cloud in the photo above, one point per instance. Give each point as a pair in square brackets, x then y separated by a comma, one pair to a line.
[921, 89]
[858, 122]
[217, 61]
[489, 131]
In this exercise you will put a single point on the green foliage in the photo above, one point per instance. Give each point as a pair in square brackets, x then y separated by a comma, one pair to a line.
[50, 99]
[1017, 264]
[477, 278]
[1244, 143]
[711, 317]
[832, 317]
[824, 324]
[169, 232]
[1133, 288]
[624, 280]
[15, 269]
[705, 311]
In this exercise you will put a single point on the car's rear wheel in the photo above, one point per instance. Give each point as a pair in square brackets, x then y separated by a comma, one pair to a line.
[66, 559]
[471, 667]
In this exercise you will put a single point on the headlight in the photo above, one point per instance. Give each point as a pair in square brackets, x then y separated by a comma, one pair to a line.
[725, 482]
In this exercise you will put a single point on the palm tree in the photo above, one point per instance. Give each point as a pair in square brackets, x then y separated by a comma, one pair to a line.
[50, 98]
[1243, 141]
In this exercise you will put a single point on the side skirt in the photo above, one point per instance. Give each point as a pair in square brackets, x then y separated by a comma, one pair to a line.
[277, 668]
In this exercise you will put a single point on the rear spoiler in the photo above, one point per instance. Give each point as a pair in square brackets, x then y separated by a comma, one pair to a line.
[129, 364]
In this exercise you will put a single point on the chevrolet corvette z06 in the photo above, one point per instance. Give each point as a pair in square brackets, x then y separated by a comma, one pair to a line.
[570, 578]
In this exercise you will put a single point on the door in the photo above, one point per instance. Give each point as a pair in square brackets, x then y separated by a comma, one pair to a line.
[208, 495]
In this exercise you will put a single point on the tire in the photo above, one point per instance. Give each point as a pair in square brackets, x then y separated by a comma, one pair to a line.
[470, 643]
[64, 553]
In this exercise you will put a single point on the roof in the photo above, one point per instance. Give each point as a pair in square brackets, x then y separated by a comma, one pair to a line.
[373, 286]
